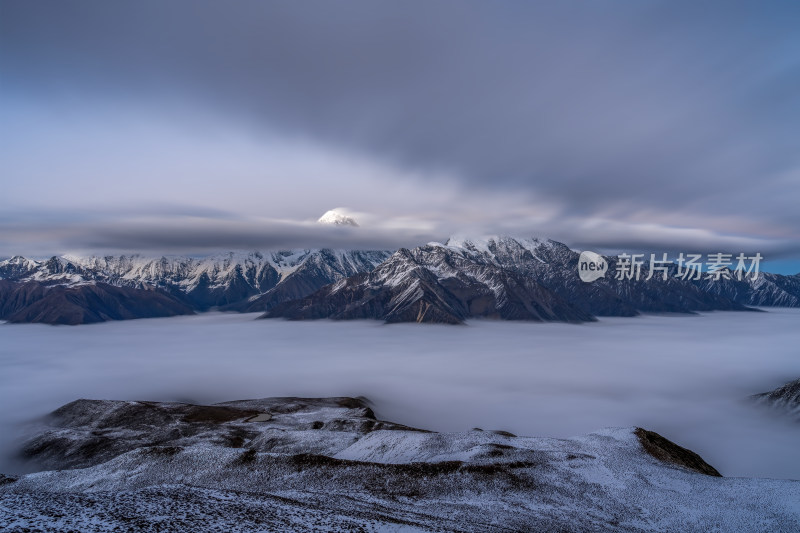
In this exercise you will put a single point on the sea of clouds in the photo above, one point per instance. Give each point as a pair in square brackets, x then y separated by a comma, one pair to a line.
[686, 377]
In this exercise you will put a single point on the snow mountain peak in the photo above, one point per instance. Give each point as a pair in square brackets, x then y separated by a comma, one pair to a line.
[337, 218]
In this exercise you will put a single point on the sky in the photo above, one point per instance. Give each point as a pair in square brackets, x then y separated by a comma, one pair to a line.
[191, 127]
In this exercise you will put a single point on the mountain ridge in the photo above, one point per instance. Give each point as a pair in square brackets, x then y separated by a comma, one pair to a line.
[304, 463]
[227, 280]
[499, 277]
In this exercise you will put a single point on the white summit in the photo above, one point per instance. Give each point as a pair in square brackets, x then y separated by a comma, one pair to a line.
[337, 218]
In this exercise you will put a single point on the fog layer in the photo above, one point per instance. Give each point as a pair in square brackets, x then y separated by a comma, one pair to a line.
[686, 377]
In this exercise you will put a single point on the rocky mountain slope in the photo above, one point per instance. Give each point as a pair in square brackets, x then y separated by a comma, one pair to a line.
[433, 284]
[84, 303]
[314, 272]
[785, 399]
[253, 281]
[301, 464]
[766, 290]
[498, 277]
[555, 266]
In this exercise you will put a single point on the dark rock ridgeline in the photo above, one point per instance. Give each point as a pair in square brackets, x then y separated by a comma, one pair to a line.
[784, 399]
[84, 303]
[503, 278]
[669, 452]
[96, 289]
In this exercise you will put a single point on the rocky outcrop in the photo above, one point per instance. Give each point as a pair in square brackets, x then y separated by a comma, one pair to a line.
[669, 452]
[785, 399]
[765, 289]
[329, 463]
[88, 432]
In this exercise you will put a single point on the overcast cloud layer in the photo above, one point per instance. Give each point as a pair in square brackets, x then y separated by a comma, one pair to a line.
[191, 126]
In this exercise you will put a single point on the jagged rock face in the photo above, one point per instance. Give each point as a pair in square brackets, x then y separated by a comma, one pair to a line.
[785, 399]
[308, 463]
[765, 290]
[554, 265]
[17, 267]
[232, 281]
[498, 277]
[501, 278]
[432, 284]
[323, 268]
[236, 281]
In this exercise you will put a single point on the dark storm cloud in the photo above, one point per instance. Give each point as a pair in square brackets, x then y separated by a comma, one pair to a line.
[609, 109]
[208, 236]
[43, 236]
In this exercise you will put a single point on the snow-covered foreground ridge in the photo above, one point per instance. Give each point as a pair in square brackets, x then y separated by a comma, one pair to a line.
[298, 464]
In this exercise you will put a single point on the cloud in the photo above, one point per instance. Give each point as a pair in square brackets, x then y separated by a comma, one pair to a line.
[194, 236]
[199, 233]
[685, 377]
[677, 115]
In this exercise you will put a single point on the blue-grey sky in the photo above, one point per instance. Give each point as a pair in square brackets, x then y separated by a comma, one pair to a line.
[194, 126]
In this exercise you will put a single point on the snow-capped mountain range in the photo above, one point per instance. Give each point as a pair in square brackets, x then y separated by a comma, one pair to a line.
[230, 279]
[522, 279]
[435, 283]
[257, 271]
[493, 277]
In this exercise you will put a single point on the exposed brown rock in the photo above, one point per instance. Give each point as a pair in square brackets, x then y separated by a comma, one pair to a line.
[665, 450]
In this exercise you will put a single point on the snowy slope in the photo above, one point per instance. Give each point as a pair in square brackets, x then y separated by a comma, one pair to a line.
[329, 464]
